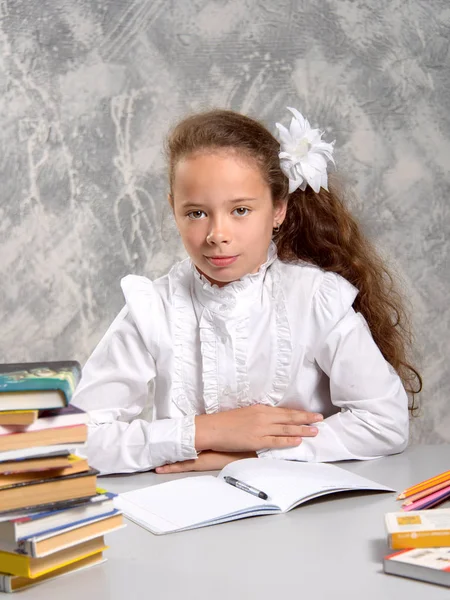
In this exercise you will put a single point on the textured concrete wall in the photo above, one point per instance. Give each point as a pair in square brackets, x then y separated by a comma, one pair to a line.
[89, 87]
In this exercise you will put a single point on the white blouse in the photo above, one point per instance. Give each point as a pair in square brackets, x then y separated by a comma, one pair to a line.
[285, 336]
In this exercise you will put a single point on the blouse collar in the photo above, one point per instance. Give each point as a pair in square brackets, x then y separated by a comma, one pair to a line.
[223, 300]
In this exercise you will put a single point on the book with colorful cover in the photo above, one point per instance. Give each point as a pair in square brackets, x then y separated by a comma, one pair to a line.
[424, 564]
[29, 385]
[418, 529]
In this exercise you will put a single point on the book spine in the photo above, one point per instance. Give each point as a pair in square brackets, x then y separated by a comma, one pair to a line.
[15, 564]
[419, 539]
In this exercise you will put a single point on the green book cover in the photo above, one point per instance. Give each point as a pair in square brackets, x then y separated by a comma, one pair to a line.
[29, 377]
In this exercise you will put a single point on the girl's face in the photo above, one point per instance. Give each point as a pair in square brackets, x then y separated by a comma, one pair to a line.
[224, 213]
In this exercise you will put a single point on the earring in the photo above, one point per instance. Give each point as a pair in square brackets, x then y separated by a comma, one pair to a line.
[276, 229]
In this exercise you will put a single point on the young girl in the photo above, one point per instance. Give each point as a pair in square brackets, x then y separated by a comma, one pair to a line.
[279, 337]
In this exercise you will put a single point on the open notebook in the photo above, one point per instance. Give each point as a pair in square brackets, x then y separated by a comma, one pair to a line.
[193, 502]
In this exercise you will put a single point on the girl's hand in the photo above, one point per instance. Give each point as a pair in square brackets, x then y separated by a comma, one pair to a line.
[206, 461]
[253, 428]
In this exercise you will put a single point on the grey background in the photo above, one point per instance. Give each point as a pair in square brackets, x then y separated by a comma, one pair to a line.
[89, 88]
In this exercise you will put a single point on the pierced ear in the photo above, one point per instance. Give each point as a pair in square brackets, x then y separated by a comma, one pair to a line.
[280, 211]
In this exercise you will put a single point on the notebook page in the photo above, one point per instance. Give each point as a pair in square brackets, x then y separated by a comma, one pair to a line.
[288, 483]
[188, 502]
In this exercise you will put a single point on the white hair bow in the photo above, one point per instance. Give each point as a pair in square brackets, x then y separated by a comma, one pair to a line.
[303, 154]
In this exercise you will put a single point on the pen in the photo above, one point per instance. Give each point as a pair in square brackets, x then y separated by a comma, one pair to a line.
[245, 487]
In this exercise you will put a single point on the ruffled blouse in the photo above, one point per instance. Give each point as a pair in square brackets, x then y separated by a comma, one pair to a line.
[284, 336]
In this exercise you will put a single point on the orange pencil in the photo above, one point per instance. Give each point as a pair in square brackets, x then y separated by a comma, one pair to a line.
[427, 492]
[423, 485]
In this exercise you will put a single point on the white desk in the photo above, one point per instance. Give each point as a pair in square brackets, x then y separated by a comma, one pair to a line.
[330, 548]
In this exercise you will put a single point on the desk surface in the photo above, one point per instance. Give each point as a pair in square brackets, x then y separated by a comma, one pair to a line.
[331, 547]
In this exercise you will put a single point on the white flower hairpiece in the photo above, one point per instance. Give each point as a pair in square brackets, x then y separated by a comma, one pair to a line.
[303, 155]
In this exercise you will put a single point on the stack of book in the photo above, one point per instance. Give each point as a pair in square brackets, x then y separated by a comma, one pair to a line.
[421, 535]
[53, 518]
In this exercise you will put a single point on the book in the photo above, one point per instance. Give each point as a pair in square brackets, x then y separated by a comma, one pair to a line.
[425, 564]
[26, 566]
[76, 464]
[38, 385]
[50, 506]
[49, 419]
[18, 417]
[13, 583]
[53, 489]
[418, 529]
[40, 451]
[17, 526]
[34, 465]
[199, 501]
[43, 437]
[49, 542]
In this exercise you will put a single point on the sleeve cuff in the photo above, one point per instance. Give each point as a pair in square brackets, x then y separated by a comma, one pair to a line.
[188, 437]
[300, 453]
[172, 440]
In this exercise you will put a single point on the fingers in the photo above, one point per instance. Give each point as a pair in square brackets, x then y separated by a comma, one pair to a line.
[296, 417]
[281, 442]
[287, 436]
[178, 467]
[293, 431]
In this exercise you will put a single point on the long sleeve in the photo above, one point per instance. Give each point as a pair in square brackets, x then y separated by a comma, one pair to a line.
[373, 417]
[114, 391]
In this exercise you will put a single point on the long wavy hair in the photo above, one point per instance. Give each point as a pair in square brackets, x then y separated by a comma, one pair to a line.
[318, 229]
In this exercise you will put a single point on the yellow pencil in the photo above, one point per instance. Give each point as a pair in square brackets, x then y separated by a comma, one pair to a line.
[423, 485]
[427, 492]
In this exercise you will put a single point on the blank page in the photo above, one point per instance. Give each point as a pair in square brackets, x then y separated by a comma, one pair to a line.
[188, 502]
[288, 483]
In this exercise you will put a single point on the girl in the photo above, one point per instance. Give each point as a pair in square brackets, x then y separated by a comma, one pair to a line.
[292, 347]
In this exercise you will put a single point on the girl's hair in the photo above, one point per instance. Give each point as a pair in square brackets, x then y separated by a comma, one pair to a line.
[318, 228]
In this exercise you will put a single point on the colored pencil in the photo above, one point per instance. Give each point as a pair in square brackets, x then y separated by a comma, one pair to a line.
[430, 500]
[437, 500]
[423, 485]
[426, 492]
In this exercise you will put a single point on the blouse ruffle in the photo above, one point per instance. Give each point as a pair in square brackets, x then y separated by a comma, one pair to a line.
[223, 300]
[284, 343]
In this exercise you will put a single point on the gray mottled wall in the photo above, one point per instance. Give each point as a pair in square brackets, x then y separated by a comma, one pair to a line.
[89, 87]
